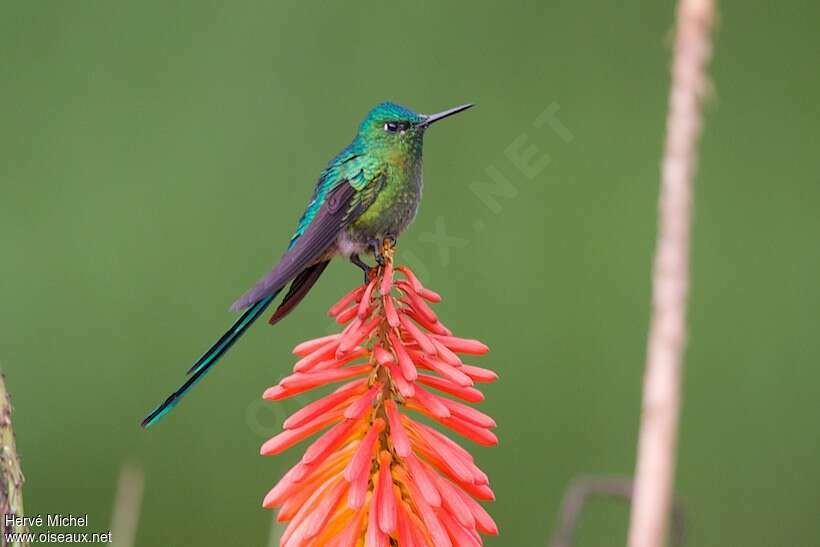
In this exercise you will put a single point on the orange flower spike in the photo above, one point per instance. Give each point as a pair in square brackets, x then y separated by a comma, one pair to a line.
[374, 476]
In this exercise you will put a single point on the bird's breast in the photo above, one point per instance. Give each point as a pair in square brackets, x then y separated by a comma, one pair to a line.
[393, 209]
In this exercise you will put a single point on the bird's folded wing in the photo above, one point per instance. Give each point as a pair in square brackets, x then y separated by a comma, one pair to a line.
[339, 209]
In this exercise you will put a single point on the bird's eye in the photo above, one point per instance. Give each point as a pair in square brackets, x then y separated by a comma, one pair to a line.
[391, 127]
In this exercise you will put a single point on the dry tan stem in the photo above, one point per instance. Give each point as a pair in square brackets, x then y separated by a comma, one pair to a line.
[11, 475]
[127, 504]
[657, 443]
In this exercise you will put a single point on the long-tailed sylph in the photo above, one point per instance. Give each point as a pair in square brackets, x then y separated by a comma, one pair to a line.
[368, 193]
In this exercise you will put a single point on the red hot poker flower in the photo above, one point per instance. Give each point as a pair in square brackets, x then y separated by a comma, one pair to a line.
[376, 475]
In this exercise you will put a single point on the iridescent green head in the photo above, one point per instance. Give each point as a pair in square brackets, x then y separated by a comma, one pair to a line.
[392, 126]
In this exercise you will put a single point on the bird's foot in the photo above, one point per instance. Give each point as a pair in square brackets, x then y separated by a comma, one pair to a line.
[389, 245]
[369, 271]
[383, 248]
[376, 248]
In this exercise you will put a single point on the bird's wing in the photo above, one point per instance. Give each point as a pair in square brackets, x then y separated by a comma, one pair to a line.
[342, 204]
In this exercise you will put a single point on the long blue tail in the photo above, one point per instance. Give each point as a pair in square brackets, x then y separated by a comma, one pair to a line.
[210, 358]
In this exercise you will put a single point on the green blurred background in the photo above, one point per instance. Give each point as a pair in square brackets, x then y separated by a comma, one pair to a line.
[154, 157]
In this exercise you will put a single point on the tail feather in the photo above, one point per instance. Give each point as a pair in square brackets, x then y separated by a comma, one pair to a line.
[210, 358]
[298, 289]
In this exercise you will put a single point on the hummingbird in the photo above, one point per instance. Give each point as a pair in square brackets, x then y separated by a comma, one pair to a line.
[368, 193]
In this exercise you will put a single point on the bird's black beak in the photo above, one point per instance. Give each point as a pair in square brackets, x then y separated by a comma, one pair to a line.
[447, 113]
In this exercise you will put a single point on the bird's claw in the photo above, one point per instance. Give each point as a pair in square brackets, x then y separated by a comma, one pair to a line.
[376, 248]
[369, 271]
[383, 248]
[380, 249]
[389, 244]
